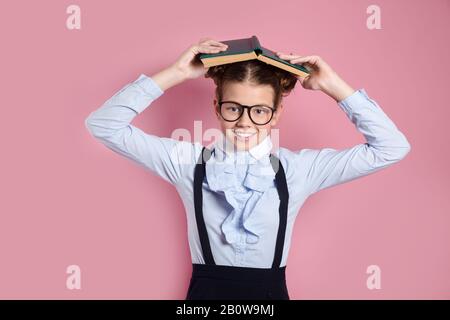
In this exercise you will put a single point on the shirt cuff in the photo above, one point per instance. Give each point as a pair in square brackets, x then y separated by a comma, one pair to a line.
[149, 85]
[356, 100]
[150, 89]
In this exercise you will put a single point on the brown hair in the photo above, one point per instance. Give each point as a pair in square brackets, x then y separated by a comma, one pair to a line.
[256, 72]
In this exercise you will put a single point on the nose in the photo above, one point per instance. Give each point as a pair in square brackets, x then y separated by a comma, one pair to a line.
[244, 120]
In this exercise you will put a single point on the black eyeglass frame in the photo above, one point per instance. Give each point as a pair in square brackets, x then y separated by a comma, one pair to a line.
[248, 111]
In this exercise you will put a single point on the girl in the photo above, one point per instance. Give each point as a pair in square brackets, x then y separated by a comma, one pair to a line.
[241, 198]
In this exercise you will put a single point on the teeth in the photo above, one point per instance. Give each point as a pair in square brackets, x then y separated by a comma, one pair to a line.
[244, 134]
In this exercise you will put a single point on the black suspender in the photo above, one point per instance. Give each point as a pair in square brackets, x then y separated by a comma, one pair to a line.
[283, 194]
[199, 175]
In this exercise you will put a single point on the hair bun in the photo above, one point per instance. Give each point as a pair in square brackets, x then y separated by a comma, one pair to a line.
[216, 72]
[287, 80]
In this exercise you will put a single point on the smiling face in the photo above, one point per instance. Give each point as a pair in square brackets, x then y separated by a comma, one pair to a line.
[243, 133]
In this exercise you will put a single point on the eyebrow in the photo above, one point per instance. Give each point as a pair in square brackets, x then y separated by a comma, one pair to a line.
[258, 104]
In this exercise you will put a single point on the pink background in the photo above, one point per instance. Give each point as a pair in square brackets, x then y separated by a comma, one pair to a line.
[66, 199]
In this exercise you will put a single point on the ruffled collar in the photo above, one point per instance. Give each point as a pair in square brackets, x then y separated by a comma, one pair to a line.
[243, 177]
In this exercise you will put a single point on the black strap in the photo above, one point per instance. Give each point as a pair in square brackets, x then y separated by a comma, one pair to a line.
[283, 194]
[199, 175]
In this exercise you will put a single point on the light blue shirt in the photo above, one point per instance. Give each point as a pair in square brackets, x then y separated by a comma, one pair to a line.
[240, 200]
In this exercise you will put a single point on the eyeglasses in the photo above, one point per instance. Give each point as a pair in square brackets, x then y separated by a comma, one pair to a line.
[232, 111]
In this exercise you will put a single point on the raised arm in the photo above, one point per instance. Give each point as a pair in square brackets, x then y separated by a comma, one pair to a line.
[385, 144]
[111, 123]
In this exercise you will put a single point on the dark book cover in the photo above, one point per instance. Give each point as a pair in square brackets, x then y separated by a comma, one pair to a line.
[249, 45]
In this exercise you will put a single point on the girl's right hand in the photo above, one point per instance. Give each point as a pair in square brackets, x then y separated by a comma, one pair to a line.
[190, 65]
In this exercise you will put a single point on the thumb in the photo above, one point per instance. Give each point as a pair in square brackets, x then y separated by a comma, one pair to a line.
[302, 80]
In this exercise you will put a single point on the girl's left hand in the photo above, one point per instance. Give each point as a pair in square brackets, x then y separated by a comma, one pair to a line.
[322, 76]
[320, 71]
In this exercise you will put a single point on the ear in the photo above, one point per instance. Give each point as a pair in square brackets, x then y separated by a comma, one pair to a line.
[216, 108]
[277, 115]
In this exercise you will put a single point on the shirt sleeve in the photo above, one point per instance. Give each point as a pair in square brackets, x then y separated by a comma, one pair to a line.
[111, 125]
[385, 145]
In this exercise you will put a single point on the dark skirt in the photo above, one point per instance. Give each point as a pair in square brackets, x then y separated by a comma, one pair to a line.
[217, 282]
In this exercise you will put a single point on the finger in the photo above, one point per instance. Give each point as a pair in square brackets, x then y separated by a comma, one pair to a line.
[209, 49]
[217, 47]
[212, 46]
[204, 41]
[214, 43]
[303, 81]
[285, 54]
[309, 59]
[288, 56]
